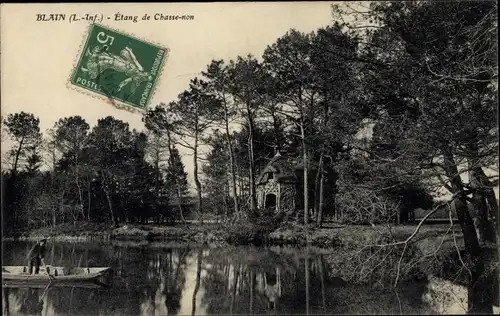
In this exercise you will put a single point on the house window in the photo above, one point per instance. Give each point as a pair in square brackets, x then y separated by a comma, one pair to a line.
[270, 175]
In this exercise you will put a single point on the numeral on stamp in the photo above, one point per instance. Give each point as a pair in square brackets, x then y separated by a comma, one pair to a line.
[106, 38]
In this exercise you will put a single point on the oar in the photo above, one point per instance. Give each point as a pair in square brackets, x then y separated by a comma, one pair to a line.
[40, 300]
[51, 277]
[45, 291]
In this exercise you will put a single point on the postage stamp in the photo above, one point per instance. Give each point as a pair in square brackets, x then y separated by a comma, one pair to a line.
[118, 67]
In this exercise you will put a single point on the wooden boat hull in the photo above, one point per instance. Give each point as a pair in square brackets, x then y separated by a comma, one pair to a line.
[94, 284]
[59, 275]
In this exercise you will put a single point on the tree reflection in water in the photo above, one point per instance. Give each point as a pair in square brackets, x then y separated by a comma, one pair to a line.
[198, 276]
[226, 280]
[25, 301]
[165, 274]
[5, 301]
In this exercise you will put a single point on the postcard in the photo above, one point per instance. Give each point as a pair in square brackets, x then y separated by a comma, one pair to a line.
[240, 158]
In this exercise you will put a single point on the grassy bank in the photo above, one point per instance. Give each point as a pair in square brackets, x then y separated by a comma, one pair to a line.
[83, 231]
[331, 235]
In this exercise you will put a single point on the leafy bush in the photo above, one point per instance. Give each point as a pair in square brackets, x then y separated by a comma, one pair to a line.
[266, 219]
[256, 230]
[240, 233]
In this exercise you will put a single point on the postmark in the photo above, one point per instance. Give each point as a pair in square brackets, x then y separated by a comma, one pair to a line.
[118, 67]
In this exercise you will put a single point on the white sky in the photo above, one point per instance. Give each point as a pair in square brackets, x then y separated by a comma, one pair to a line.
[37, 57]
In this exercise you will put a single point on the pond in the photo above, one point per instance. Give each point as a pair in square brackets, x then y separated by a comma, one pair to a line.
[155, 279]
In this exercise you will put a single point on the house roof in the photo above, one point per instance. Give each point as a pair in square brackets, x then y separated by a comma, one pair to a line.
[283, 170]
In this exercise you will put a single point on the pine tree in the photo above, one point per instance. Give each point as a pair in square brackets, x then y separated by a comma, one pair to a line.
[177, 179]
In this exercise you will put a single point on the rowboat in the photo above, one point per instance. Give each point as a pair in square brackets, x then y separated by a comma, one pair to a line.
[82, 285]
[60, 275]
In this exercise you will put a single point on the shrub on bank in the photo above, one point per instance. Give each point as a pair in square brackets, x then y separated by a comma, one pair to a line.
[255, 229]
[244, 234]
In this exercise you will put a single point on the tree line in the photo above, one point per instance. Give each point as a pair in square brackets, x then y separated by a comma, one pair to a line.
[100, 174]
[423, 83]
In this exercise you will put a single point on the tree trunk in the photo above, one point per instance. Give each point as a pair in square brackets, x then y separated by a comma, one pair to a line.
[196, 179]
[54, 209]
[179, 197]
[110, 204]
[18, 153]
[89, 200]
[61, 205]
[179, 193]
[253, 199]
[318, 191]
[480, 296]
[276, 131]
[241, 184]
[157, 184]
[306, 173]
[80, 194]
[319, 218]
[460, 202]
[231, 161]
[77, 182]
[226, 194]
[486, 230]
[321, 198]
[482, 196]
[332, 179]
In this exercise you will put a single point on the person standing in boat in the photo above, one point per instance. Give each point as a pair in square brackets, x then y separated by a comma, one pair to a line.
[36, 256]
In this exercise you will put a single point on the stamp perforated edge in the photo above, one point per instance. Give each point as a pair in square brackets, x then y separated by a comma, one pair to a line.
[109, 100]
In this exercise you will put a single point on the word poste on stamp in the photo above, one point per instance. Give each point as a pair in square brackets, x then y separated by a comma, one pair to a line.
[119, 66]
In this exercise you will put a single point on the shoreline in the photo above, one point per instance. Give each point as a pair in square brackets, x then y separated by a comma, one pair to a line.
[196, 236]
[221, 234]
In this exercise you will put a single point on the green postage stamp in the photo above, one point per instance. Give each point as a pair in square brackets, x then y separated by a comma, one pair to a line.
[118, 67]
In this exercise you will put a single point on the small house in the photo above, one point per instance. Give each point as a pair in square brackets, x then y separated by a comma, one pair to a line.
[280, 185]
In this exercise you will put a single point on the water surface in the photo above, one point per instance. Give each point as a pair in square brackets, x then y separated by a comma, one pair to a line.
[157, 280]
